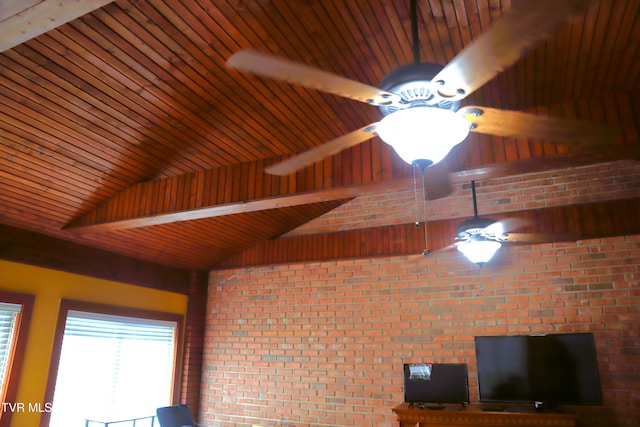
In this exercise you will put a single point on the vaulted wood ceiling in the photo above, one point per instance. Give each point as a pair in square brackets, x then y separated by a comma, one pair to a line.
[123, 131]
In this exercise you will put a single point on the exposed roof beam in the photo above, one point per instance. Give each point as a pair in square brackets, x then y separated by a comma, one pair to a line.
[245, 188]
[22, 20]
[560, 223]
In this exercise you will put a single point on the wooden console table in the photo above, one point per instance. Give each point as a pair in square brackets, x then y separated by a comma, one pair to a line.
[474, 416]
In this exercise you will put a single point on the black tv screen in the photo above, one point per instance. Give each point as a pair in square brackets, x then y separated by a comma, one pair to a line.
[436, 383]
[552, 369]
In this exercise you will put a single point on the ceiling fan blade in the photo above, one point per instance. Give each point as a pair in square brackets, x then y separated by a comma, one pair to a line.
[517, 124]
[322, 151]
[540, 237]
[267, 65]
[503, 226]
[504, 43]
[436, 180]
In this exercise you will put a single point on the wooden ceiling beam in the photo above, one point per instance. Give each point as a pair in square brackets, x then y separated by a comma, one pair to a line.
[239, 188]
[246, 188]
[565, 223]
[23, 20]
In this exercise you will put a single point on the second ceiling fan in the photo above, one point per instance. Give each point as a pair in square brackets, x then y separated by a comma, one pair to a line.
[420, 102]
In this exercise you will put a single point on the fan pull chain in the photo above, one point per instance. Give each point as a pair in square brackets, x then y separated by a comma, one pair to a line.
[415, 198]
[424, 210]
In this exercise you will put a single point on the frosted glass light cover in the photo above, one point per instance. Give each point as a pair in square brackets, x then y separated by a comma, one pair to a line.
[479, 251]
[423, 133]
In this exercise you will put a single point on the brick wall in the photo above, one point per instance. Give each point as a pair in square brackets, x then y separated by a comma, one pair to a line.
[323, 344]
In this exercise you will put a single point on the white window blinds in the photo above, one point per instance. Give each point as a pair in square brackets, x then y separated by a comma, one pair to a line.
[8, 315]
[112, 368]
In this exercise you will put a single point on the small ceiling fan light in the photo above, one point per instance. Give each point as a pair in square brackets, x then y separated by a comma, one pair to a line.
[423, 133]
[479, 251]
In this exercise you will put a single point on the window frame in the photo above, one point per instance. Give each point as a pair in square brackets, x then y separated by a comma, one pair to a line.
[67, 305]
[18, 348]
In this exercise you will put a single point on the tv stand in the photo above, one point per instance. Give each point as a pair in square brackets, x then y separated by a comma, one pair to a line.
[420, 405]
[475, 416]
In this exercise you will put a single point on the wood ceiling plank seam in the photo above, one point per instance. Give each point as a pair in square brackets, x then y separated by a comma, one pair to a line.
[346, 173]
[237, 182]
[343, 56]
[468, 10]
[222, 188]
[123, 122]
[575, 54]
[453, 24]
[589, 44]
[42, 102]
[28, 127]
[18, 150]
[374, 72]
[629, 76]
[435, 14]
[566, 110]
[252, 96]
[127, 202]
[145, 200]
[612, 114]
[188, 125]
[170, 203]
[631, 29]
[253, 180]
[360, 21]
[196, 186]
[355, 172]
[549, 148]
[129, 180]
[399, 20]
[298, 96]
[629, 122]
[137, 199]
[182, 192]
[241, 187]
[159, 71]
[395, 23]
[618, 37]
[109, 91]
[539, 56]
[177, 44]
[498, 148]
[42, 113]
[610, 40]
[32, 201]
[153, 200]
[597, 22]
[210, 180]
[366, 160]
[375, 160]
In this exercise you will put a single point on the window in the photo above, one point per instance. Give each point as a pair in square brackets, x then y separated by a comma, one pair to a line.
[113, 367]
[15, 315]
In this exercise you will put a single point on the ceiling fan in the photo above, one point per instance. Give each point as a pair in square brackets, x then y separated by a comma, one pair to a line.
[420, 102]
[479, 238]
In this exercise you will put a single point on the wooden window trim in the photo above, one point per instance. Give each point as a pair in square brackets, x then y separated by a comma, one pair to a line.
[67, 305]
[14, 364]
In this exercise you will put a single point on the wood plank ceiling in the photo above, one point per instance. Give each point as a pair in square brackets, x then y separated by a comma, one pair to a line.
[123, 130]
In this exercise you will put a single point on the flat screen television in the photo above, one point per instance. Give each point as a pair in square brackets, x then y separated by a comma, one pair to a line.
[432, 385]
[542, 369]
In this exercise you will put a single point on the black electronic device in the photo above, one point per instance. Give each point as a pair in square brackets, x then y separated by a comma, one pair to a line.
[431, 385]
[544, 370]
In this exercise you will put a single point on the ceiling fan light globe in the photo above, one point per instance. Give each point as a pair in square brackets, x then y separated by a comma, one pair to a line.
[479, 251]
[423, 133]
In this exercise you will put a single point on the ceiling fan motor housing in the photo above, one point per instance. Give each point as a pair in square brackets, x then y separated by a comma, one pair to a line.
[412, 82]
[473, 227]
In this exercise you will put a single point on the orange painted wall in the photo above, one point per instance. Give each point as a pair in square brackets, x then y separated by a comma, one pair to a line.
[50, 287]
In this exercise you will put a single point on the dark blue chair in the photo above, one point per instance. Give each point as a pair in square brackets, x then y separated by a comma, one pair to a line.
[175, 416]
